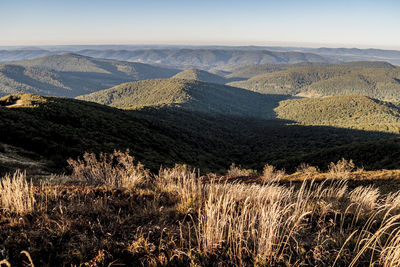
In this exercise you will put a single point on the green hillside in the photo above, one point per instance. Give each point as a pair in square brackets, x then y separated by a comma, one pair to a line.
[71, 75]
[59, 128]
[253, 70]
[200, 75]
[353, 112]
[188, 94]
[378, 82]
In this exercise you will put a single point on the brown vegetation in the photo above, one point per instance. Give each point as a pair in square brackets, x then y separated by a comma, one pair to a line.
[180, 218]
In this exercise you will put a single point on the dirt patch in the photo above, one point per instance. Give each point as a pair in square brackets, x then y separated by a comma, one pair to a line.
[11, 101]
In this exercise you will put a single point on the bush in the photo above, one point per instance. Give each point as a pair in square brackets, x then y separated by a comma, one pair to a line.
[235, 171]
[305, 168]
[270, 174]
[340, 170]
[115, 170]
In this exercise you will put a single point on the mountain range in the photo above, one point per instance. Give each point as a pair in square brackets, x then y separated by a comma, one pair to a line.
[282, 114]
[72, 75]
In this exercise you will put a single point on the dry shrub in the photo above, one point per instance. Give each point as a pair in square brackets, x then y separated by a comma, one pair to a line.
[270, 174]
[305, 168]
[237, 171]
[16, 194]
[185, 184]
[115, 170]
[340, 170]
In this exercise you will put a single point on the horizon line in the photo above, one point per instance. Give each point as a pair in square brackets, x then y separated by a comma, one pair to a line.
[310, 45]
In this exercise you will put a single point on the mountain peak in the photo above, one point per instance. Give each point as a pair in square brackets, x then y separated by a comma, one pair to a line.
[200, 75]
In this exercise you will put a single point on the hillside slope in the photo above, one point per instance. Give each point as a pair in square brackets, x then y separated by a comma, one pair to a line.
[253, 70]
[352, 111]
[71, 75]
[59, 128]
[380, 83]
[188, 94]
[200, 75]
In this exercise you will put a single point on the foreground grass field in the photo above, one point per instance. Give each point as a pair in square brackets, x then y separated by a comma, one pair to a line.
[111, 211]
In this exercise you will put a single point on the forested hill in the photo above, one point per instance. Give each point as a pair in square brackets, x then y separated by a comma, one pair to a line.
[59, 128]
[376, 82]
[200, 75]
[352, 112]
[188, 94]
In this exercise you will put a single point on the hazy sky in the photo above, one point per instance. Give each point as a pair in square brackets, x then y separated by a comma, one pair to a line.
[347, 23]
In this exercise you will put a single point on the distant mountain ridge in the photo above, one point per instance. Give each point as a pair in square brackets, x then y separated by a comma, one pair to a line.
[72, 75]
[180, 58]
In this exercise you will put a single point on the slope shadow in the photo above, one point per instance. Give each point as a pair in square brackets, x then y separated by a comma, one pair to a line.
[64, 128]
[255, 142]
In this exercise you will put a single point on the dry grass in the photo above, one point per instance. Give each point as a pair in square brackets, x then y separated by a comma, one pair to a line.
[180, 219]
[184, 184]
[366, 197]
[16, 194]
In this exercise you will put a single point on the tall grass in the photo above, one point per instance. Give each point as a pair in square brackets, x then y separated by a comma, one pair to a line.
[207, 221]
[185, 184]
[16, 194]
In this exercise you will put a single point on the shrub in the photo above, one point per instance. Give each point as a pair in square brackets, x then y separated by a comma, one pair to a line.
[16, 194]
[307, 169]
[340, 170]
[235, 171]
[270, 174]
[115, 170]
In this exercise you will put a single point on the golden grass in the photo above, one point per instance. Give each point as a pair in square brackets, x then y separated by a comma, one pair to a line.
[184, 184]
[16, 194]
[181, 218]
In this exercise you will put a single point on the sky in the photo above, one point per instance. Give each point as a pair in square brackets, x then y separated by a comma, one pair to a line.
[307, 23]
